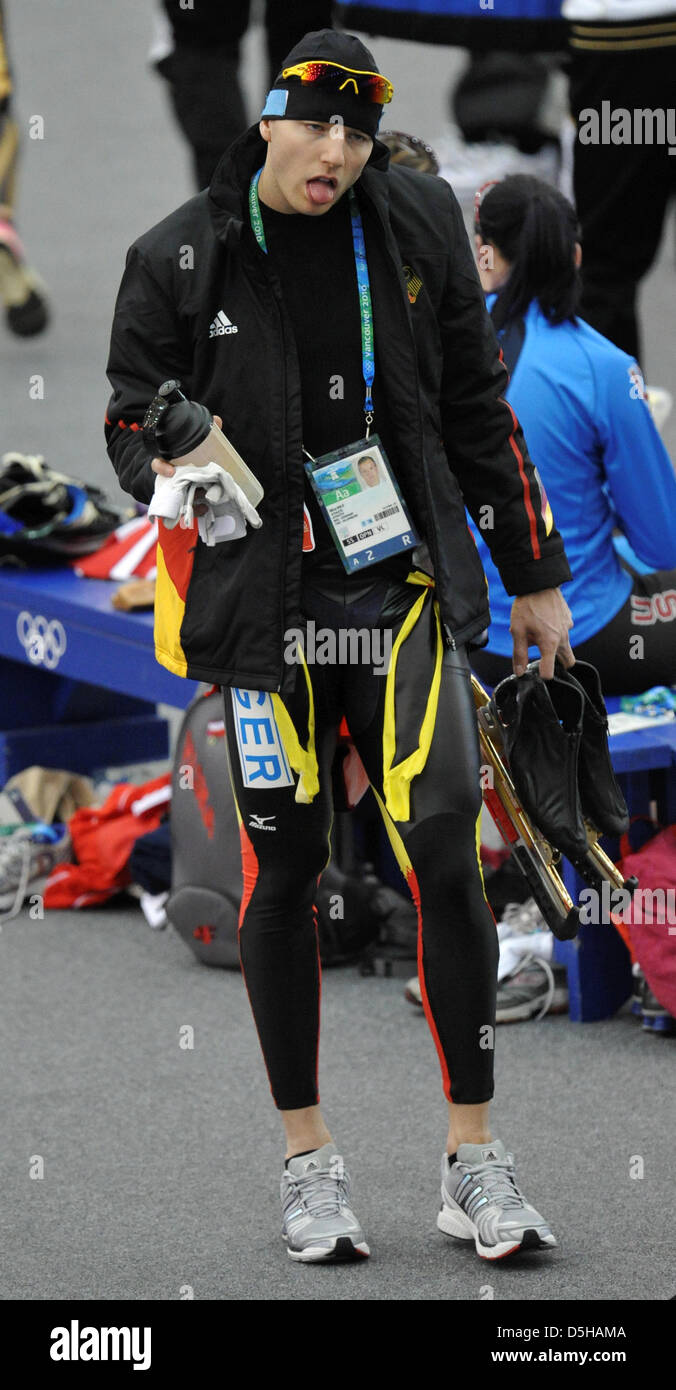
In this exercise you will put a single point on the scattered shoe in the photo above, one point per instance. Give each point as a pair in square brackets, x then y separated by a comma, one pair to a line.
[533, 989]
[639, 981]
[21, 291]
[15, 812]
[318, 1224]
[26, 860]
[654, 1017]
[523, 917]
[480, 1201]
[413, 992]
[660, 1022]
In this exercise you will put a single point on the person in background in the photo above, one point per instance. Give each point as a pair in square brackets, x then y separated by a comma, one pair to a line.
[622, 57]
[22, 293]
[507, 109]
[600, 461]
[199, 58]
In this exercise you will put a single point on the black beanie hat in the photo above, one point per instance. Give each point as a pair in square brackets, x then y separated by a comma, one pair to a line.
[299, 101]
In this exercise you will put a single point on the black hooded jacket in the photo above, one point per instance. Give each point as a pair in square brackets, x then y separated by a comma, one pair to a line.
[438, 360]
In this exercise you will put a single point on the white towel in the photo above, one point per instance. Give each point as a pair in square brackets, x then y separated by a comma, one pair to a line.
[228, 508]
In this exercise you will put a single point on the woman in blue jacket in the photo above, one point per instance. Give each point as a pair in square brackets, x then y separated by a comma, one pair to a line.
[602, 466]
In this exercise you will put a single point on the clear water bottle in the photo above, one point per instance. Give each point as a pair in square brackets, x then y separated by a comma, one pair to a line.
[183, 432]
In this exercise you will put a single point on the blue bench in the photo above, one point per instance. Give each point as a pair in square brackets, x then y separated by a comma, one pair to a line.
[80, 682]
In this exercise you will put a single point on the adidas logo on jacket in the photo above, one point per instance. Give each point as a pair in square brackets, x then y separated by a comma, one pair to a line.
[221, 325]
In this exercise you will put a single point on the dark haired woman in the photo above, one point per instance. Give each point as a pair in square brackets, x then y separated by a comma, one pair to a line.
[601, 463]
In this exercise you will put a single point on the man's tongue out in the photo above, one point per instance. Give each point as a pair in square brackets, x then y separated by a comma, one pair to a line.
[320, 190]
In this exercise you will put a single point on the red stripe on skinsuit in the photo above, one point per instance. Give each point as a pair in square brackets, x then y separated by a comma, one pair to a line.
[249, 871]
[407, 870]
[535, 544]
[414, 890]
[249, 880]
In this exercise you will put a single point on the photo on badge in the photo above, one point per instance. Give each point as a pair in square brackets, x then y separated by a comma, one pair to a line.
[362, 503]
[367, 472]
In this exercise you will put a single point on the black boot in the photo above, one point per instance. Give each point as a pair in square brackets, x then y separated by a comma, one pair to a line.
[541, 722]
[602, 801]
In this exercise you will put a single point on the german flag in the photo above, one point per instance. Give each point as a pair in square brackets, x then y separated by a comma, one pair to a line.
[175, 560]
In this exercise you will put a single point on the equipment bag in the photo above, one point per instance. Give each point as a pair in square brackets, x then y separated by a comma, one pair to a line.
[206, 871]
[356, 913]
[652, 916]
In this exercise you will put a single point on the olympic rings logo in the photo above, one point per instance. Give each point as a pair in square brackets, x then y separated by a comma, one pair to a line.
[44, 642]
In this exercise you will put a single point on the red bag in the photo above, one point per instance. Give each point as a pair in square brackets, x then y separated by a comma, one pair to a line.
[103, 838]
[651, 919]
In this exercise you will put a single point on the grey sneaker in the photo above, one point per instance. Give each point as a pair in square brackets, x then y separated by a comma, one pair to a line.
[480, 1201]
[27, 858]
[533, 989]
[317, 1222]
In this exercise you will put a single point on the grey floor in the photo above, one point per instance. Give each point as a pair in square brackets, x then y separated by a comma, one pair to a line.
[160, 1164]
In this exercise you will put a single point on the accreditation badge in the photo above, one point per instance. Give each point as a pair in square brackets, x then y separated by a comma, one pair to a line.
[360, 499]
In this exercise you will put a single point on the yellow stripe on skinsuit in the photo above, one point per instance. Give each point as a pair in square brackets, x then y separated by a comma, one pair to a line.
[477, 837]
[169, 613]
[397, 779]
[302, 760]
[399, 848]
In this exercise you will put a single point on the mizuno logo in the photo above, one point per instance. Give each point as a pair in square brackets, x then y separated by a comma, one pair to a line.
[221, 325]
[258, 822]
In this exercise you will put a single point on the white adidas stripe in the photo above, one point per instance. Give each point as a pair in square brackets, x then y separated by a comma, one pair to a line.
[221, 320]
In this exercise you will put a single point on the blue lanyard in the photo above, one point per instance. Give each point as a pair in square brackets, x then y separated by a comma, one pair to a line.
[368, 363]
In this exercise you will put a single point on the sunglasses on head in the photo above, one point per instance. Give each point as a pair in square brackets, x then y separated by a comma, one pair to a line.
[370, 85]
